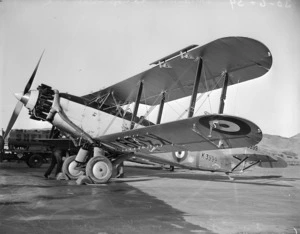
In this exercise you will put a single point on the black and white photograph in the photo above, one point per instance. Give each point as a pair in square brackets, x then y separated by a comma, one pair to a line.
[140, 116]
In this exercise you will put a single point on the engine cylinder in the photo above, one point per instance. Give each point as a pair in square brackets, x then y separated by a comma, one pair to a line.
[43, 104]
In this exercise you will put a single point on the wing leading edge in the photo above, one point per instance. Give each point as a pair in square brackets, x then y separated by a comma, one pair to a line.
[242, 58]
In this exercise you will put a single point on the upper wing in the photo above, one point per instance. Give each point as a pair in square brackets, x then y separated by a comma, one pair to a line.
[243, 59]
[207, 132]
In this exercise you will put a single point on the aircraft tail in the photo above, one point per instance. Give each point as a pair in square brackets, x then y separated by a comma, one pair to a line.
[279, 163]
[262, 160]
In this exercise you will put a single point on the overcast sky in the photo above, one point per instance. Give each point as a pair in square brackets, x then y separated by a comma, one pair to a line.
[93, 44]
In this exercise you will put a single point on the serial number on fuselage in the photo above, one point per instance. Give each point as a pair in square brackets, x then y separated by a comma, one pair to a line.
[208, 157]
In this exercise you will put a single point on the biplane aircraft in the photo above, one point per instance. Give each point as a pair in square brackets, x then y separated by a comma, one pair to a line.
[96, 120]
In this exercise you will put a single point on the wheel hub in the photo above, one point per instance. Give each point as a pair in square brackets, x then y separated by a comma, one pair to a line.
[100, 170]
[72, 169]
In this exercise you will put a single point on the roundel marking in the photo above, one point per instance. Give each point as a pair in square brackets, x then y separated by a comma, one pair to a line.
[225, 124]
[179, 156]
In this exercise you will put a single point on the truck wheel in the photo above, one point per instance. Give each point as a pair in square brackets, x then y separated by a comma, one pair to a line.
[99, 169]
[68, 168]
[35, 161]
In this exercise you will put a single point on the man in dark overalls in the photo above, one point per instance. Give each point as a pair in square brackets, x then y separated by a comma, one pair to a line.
[57, 155]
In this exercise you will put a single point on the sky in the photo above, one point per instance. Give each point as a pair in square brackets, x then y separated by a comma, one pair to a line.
[94, 44]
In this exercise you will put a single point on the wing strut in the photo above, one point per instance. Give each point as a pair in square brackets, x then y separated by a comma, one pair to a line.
[136, 106]
[161, 107]
[195, 89]
[251, 165]
[223, 94]
[239, 164]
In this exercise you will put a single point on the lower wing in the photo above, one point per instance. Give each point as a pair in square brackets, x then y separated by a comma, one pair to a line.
[200, 133]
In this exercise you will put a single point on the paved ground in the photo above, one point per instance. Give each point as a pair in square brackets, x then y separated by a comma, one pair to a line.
[151, 201]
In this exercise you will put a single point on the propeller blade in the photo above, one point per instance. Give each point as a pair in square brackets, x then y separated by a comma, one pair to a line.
[27, 88]
[13, 118]
[1, 144]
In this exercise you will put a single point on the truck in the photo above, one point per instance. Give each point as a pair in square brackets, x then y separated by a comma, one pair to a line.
[23, 144]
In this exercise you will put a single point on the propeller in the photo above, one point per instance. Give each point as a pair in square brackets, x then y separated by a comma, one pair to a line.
[19, 105]
[1, 143]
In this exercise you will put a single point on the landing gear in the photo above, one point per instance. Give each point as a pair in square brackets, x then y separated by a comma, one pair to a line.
[99, 169]
[69, 168]
[229, 177]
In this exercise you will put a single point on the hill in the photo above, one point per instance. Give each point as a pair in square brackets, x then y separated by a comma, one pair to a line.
[287, 148]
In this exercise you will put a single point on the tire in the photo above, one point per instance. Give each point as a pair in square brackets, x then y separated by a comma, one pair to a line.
[68, 168]
[99, 169]
[35, 161]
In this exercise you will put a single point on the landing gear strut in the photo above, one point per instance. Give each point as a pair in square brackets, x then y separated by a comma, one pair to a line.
[229, 177]
[98, 169]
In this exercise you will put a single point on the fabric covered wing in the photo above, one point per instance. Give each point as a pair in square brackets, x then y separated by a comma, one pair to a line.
[243, 59]
[207, 132]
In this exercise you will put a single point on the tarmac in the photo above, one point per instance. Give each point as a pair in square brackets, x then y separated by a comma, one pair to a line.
[151, 200]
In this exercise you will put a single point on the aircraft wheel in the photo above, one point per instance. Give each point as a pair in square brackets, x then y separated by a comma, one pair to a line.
[35, 161]
[68, 168]
[99, 169]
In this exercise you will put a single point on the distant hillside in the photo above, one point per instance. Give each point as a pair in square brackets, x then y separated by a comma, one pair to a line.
[297, 137]
[288, 148]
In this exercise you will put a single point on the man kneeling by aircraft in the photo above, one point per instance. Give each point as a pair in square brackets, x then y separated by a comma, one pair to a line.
[210, 142]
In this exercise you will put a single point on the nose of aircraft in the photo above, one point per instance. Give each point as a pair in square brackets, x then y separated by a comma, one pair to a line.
[23, 98]
[28, 99]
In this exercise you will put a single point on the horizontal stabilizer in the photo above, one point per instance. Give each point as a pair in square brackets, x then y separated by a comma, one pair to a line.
[279, 163]
[266, 161]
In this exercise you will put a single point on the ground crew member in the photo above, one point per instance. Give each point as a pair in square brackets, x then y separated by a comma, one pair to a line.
[56, 160]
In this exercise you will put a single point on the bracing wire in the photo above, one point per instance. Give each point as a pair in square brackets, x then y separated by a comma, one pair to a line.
[148, 112]
[236, 96]
[202, 94]
[208, 95]
[118, 107]
[207, 91]
[186, 110]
